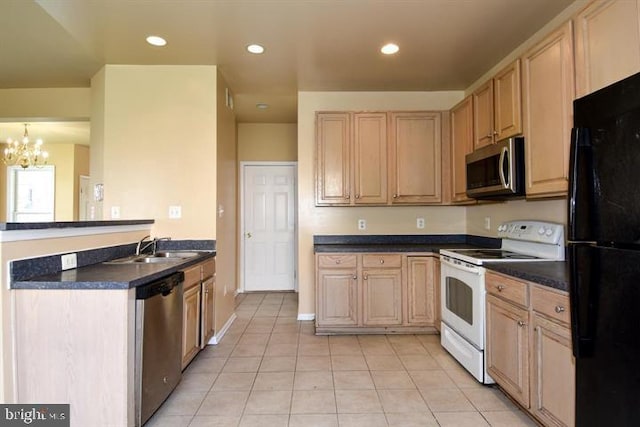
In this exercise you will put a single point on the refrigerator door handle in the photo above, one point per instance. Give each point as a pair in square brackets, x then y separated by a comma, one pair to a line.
[583, 299]
[580, 191]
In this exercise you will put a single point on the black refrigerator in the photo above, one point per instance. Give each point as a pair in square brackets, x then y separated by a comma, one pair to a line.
[604, 254]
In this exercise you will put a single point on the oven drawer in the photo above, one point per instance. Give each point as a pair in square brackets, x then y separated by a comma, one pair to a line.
[550, 303]
[382, 261]
[507, 288]
[337, 261]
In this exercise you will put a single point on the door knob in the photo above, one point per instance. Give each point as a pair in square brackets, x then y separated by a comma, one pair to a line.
[249, 235]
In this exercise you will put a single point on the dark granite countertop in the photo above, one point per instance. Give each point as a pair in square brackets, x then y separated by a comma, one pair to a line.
[109, 276]
[431, 247]
[400, 243]
[554, 274]
[13, 226]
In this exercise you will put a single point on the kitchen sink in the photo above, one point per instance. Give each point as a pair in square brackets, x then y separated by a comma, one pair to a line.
[158, 257]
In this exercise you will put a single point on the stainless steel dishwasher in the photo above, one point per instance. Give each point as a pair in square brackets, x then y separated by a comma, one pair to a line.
[158, 353]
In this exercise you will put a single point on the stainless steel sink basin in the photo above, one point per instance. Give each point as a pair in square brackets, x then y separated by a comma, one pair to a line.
[158, 257]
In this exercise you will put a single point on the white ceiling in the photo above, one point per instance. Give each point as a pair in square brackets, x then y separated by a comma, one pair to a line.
[311, 45]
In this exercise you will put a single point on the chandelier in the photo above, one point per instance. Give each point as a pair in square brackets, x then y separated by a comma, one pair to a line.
[23, 153]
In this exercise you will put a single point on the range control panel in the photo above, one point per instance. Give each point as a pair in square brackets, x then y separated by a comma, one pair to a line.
[532, 231]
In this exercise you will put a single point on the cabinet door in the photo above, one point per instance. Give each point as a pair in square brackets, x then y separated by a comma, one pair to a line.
[483, 115]
[415, 158]
[421, 286]
[382, 297]
[607, 44]
[507, 114]
[370, 158]
[333, 159]
[190, 324]
[207, 324]
[548, 97]
[461, 145]
[336, 297]
[553, 367]
[507, 347]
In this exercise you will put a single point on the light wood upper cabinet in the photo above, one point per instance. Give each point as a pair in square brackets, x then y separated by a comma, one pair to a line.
[461, 145]
[333, 158]
[415, 157]
[547, 103]
[507, 114]
[607, 44]
[421, 289]
[497, 107]
[370, 158]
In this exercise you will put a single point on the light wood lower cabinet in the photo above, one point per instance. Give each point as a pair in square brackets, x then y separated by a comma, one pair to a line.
[375, 293]
[198, 309]
[507, 349]
[528, 347]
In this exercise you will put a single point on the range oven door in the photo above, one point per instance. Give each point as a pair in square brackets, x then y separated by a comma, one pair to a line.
[463, 297]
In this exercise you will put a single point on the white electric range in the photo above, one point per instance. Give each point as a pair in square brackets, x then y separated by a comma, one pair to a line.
[463, 285]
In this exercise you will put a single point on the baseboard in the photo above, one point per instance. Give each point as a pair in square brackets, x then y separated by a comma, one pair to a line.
[306, 316]
[218, 337]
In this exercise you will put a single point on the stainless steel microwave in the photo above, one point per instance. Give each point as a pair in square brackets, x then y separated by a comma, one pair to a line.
[496, 171]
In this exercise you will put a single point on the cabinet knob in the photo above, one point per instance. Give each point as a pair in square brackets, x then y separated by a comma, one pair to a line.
[381, 261]
[500, 288]
[559, 309]
[357, 196]
[521, 323]
[338, 261]
[365, 277]
[495, 133]
[355, 277]
[395, 196]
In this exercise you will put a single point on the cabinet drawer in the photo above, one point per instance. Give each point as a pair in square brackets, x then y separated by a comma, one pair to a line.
[550, 303]
[338, 261]
[192, 276]
[507, 288]
[382, 260]
[208, 268]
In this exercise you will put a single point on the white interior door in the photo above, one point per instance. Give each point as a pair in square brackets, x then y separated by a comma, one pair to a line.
[269, 227]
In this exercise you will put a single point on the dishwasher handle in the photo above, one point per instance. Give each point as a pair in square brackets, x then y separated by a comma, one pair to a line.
[162, 286]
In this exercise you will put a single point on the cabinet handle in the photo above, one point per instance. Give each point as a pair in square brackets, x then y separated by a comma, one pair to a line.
[500, 288]
[495, 133]
[521, 323]
[355, 277]
[357, 196]
[559, 309]
[395, 196]
[381, 261]
[365, 277]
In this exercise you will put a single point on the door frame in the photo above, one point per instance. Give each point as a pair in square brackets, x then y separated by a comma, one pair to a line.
[243, 166]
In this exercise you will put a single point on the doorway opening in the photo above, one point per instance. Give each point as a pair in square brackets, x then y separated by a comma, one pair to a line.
[30, 194]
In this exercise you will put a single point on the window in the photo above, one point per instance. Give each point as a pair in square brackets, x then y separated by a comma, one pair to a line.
[30, 194]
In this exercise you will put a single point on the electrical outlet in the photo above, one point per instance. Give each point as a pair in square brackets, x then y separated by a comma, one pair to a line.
[175, 212]
[69, 261]
[420, 223]
[487, 223]
[115, 212]
[362, 224]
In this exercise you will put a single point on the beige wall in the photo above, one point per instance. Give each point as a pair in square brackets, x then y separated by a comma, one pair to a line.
[45, 103]
[542, 210]
[226, 224]
[156, 145]
[268, 142]
[96, 162]
[35, 248]
[81, 158]
[324, 220]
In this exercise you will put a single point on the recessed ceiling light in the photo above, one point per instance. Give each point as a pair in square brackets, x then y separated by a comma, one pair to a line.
[255, 48]
[389, 49]
[262, 106]
[156, 41]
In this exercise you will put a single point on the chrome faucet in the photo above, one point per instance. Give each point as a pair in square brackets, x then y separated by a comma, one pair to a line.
[144, 243]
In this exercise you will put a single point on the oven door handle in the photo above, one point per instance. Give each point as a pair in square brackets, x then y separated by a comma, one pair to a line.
[462, 266]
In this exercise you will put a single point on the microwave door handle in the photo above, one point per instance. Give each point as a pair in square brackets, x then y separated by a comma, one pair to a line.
[503, 155]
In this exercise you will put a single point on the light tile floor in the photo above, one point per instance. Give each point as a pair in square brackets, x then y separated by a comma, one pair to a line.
[271, 370]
